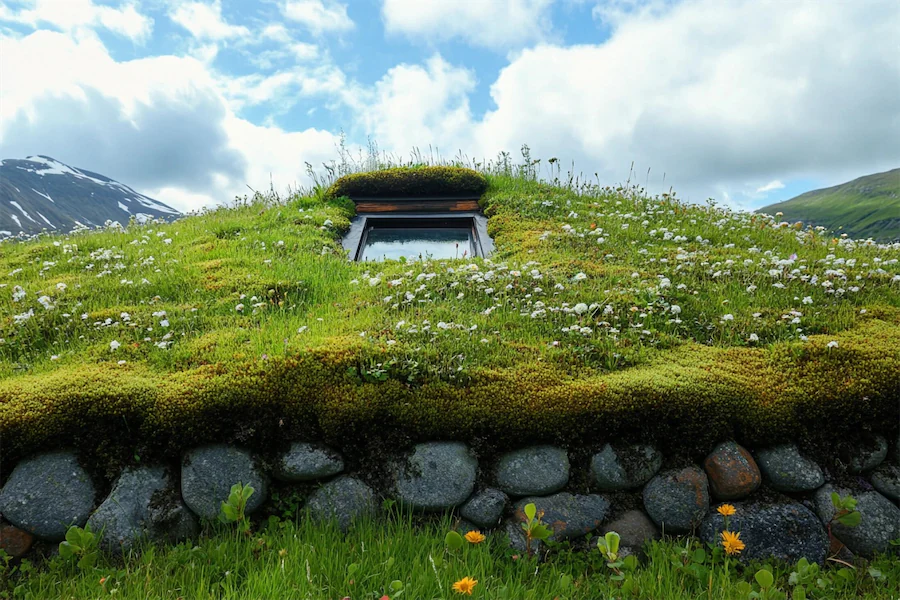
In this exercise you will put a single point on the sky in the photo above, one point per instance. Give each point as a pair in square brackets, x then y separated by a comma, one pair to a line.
[194, 102]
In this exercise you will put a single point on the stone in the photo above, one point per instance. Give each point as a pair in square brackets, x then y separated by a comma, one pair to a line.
[786, 470]
[677, 500]
[897, 450]
[516, 535]
[787, 532]
[732, 472]
[125, 517]
[485, 508]
[879, 525]
[208, 472]
[436, 476]
[15, 541]
[534, 471]
[869, 457]
[615, 469]
[343, 500]
[308, 462]
[635, 529]
[886, 479]
[46, 494]
[569, 516]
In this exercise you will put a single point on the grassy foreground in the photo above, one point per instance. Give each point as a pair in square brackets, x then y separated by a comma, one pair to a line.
[603, 309]
[395, 558]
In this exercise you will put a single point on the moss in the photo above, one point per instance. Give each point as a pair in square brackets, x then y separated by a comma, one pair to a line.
[407, 182]
[685, 403]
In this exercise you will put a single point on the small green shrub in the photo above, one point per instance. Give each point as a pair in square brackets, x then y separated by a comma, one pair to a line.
[406, 182]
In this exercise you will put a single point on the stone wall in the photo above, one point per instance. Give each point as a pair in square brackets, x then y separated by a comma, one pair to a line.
[782, 498]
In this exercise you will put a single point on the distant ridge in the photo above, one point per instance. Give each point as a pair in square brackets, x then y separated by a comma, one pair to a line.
[865, 207]
[40, 193]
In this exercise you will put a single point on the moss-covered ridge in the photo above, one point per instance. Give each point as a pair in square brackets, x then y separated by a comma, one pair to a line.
[686, 400]
[407, 182]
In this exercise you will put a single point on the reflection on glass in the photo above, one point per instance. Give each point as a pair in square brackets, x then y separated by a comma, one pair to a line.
[416, 243]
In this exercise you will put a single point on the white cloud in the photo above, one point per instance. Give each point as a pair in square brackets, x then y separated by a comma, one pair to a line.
[71, 15]
[319, 16]
[163, 125]
[205, 21]
[719, 97]
[415, 105]
[770, 187]
[495, 24]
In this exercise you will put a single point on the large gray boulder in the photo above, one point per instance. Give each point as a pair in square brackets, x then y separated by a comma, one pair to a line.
[304, 461]
[625, 468]
[784, 531]
[485, 509]
[342, 500]
[208, 472]
[538, 471]
[879, 525]
[786, 470]
[677, 500]
[46, 494]
[125, 517]
[886, 479]
[436, 476]
[569, 516]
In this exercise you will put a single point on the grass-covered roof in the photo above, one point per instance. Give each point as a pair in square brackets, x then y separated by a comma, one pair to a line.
[602, 312]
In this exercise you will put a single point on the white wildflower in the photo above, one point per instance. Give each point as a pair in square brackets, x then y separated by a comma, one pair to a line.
[832, 344]
[114, 345]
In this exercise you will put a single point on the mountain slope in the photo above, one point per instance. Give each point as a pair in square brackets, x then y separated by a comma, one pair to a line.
[40, 192]
[865, 207]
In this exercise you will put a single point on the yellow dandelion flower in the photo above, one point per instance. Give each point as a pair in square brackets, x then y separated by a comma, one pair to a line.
[726, 510]
[465, 585]
[474, 537]
[732, 542]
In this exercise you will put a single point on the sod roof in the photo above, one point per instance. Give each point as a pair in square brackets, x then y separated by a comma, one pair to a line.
[603, 314]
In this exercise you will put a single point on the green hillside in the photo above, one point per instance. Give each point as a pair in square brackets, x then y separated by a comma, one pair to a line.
[865, 207]
[600, 310]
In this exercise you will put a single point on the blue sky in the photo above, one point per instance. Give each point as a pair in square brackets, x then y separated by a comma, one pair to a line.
[192, 101]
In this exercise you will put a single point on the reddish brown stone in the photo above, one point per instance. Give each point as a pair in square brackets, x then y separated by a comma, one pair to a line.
[733, 474]
[15, 541]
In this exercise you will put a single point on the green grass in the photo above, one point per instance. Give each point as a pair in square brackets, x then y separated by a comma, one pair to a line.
[305, 560]
[865, 207]
[601, 307]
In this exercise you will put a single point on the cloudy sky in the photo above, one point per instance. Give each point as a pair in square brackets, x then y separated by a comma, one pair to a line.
[191, 102]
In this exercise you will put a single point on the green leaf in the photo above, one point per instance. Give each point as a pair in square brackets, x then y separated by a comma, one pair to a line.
[612, 542]
[530, 510]
[88, 560]
[799, 593]
[396, 585]
[851, 519]
[699, 556]
[565, 581]
[764, 578]
[630, 563]
[835, 500]
[743, 588]
[352, 568]
[66, 550]
[454, 541]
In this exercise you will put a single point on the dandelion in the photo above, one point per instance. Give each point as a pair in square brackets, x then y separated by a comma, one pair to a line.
[726, 510]
[474, 537]
[465, 585]
[732, 543]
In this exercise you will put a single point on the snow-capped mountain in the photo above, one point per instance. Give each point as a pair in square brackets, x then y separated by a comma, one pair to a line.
[40, 192]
